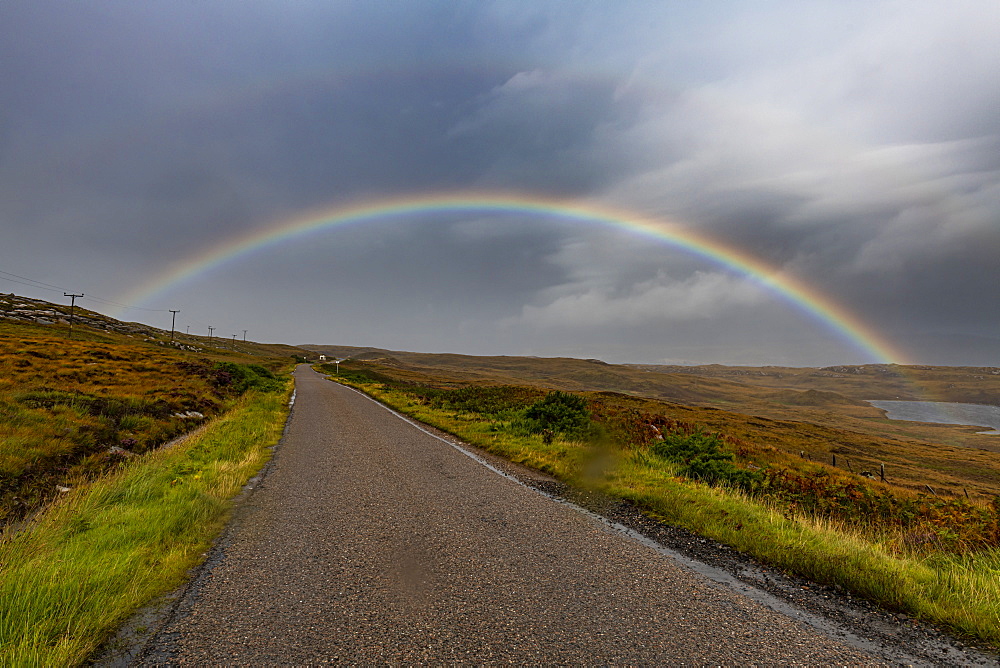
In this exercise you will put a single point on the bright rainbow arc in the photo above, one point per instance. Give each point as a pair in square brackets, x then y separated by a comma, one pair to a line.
[801, 295]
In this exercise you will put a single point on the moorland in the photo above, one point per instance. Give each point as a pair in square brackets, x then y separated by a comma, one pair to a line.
[121, 449]
[122, 445]
[73, 408]
[816, 413]
[813, 481]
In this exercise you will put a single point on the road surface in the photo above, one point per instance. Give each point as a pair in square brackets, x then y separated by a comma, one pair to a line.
[370, 541]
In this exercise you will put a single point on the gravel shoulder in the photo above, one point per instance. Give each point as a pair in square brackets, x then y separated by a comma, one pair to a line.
[371, 540]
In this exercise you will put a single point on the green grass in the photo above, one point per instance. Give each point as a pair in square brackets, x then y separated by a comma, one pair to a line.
[97, 555]
[71, 410]
[959, 591]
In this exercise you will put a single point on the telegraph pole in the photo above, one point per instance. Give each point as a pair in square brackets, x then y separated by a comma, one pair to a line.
[173, 319]
[210, 330]
[244, 336]
[72, 310]
[234, 342]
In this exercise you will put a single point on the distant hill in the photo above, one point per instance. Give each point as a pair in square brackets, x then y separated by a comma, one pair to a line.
[559, 372]
[867, 381]
[833, 396]
[45, 316]
[802, 386]
[36, 311]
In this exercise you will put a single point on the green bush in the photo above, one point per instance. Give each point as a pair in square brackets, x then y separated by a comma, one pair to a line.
[238, 378]
[702, 458]
[559, 412]
[497, 402]
[359, 375]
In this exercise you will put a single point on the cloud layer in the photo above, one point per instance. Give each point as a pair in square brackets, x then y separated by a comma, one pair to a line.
[853, 145]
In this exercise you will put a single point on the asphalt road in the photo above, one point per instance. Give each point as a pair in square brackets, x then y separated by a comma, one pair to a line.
[370, 541]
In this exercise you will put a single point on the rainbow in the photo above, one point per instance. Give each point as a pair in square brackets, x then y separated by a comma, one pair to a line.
[796, 292]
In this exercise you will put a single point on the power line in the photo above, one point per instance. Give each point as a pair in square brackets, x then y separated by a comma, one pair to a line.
[31, 285]
[111, 302]
[25, 278]
[42, 285]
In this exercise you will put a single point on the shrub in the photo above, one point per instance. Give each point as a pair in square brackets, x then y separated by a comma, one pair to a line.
[559, 412]
[238, 378]
[702, 458]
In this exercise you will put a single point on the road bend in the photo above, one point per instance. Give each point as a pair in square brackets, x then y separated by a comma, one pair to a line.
[371, 542]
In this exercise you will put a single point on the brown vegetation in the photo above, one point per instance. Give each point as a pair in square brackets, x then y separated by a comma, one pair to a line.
[804, 415]
[74, 408]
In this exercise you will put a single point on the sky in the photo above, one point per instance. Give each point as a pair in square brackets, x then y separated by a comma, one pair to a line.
[852, 146]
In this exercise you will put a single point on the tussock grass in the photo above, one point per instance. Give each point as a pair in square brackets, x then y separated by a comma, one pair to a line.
[97, 555]
[959, 591]
[71, 410]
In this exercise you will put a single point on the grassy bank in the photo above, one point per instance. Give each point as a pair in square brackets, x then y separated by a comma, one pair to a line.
[102, 551]
[933, 559]
[72, 410]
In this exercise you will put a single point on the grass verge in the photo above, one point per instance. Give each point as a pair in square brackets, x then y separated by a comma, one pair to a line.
[93, 558]
[958, 591]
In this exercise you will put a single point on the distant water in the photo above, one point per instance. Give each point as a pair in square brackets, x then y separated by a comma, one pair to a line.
[943, 412]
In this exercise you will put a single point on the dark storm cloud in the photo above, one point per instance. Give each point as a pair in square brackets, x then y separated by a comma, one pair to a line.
[278, 116]
[538, 128]
[867, 166]
[855, 146]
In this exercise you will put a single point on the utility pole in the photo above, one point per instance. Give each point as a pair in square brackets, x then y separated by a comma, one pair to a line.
[173, 319]
[210, 330]
[244, 336]
[72, 310]
[234, 342]
[188, 330]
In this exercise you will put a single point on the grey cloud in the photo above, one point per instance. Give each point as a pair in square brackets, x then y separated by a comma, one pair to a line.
[541, 127]
[699, 297]
[854, 146]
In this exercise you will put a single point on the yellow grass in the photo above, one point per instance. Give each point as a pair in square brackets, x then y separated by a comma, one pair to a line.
[96, 556]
